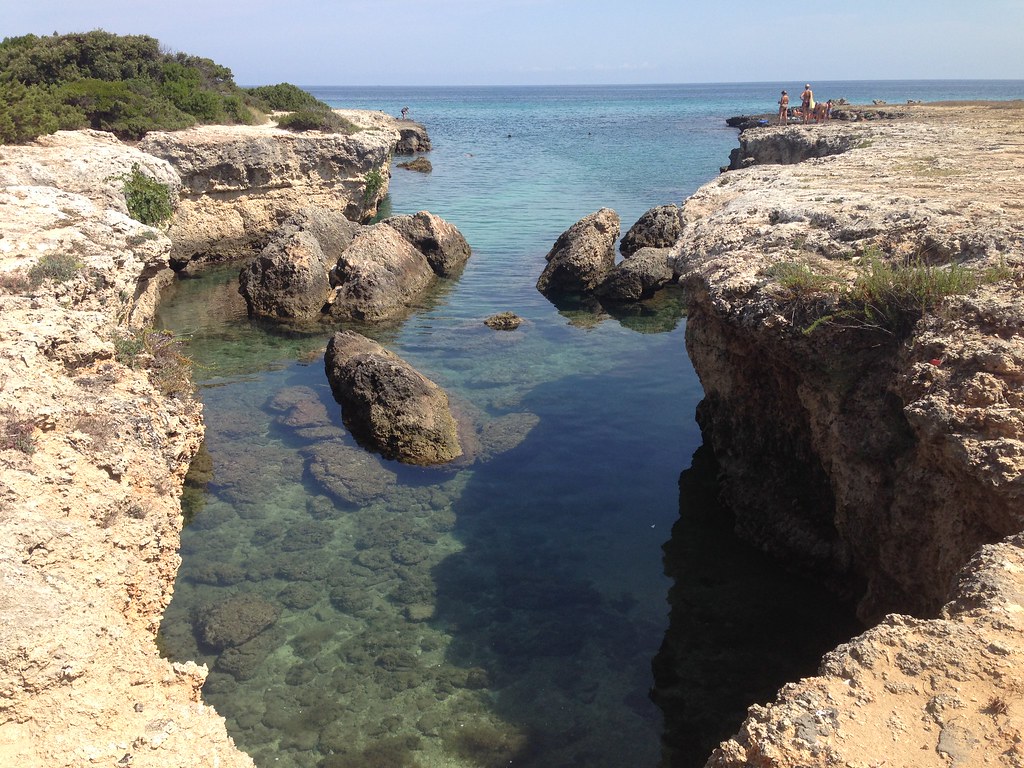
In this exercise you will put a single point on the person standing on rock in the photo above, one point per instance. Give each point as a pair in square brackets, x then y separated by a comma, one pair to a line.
[784, 109]
[807, 102]
[405, 112]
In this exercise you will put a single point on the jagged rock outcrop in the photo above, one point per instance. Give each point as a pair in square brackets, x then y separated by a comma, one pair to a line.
[583, 258]
[659, 227]
[443, 245]
[95, 445]
[582, 255]
[413, 138]
[876, 446]
[791, 145]
[388, 404]
[319, 263]
[240, 182]
[90, 163]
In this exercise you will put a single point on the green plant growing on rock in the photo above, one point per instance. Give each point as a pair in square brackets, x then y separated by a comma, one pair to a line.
[886, 296]
[316, 120]
[58, 267]
[162, 355]
[148, 200]
[374, 182]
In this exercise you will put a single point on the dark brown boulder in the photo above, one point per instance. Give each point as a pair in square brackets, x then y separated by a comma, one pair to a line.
[638, 277]
[659, 227]
[388, 405]
[289, 279]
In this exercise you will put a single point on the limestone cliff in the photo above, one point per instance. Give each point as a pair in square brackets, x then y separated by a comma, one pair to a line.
[876, 443]
[97, 428]
[241, 182]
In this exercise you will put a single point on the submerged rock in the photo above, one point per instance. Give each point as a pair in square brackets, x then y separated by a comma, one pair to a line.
[347, 473]
[388, 405]
[582, 255]
[235, 620]
[420, 165]
[504, 321]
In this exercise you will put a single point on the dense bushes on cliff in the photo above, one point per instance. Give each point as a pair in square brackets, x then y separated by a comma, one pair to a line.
[123, 84]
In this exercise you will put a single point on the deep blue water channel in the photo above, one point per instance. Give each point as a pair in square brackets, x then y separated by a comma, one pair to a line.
[501, 613]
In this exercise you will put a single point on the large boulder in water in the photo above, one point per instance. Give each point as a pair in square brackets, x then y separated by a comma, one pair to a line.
[639, 276]
[389, 405]
[289, 279]
[378, 275]
[659, 227]
[443, 245]
[582, 255]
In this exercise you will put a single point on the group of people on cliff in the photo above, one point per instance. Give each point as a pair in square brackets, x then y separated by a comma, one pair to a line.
[818, 111]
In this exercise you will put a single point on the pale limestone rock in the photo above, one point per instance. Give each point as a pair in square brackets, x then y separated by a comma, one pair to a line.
[240, 182]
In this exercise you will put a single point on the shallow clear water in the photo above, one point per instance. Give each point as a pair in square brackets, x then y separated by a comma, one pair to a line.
[505, 611]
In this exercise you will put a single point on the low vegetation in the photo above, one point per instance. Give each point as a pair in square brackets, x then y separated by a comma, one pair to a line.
[149, 201]
[162, 355]
[885, 295]
[53, 266]
[125, 84]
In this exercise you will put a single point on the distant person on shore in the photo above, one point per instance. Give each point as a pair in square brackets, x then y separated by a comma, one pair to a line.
[405, 112]
[784, 109]
[807, 102]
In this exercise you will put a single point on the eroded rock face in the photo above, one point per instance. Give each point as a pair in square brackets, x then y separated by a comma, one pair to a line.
[413, 138]
[848, 450]
[389, 405]
[239, 182]
[929, 693]
[91, 518]
[789, 145]
[582, 255]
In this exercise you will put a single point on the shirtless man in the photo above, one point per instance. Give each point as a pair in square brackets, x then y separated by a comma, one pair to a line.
[784, 109]
[806, 102]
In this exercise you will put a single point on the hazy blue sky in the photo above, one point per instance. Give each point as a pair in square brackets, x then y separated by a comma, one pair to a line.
[454, 42]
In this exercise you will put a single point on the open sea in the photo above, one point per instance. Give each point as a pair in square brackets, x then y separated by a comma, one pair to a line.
[504, 613]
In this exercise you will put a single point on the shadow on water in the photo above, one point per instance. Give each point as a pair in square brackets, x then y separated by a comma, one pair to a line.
[740, 627]
[540, 601]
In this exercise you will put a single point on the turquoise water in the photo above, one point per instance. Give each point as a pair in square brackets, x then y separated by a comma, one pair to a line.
[503, 612]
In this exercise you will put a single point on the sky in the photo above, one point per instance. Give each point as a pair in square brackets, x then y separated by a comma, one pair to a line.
[560, 42]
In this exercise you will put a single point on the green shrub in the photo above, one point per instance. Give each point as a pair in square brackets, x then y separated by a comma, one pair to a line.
[122, 84]
[58, 267]
[315, 120]
[25, 113]
[375, 181]
[285, 97]
[147, 199]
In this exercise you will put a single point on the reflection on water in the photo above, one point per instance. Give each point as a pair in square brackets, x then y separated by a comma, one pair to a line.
[740, 627]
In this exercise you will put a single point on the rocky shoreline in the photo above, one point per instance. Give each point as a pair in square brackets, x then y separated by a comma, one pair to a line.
[100, 423]
[888, 464]
[876, 446]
